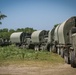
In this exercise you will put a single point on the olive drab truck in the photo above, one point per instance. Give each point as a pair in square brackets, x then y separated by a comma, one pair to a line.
[39, 39]
[20, 39]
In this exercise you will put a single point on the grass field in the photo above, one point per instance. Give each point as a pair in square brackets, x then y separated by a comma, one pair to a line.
[14, 55]
[16, 61]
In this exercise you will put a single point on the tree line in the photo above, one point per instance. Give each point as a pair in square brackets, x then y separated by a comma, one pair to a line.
[5, 32]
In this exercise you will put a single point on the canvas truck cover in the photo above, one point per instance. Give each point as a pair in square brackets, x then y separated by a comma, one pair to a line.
[38, 36]
[16, 37]
[65, 27]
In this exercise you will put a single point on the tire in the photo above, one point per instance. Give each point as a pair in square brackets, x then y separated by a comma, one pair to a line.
[66, 59]
[31, 46]
[36, 48]
[62, 53]
[73, 64]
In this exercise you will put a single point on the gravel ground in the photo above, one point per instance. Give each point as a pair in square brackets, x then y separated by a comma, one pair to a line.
[61, 69]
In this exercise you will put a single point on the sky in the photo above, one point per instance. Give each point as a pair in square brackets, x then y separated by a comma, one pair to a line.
[37, 14]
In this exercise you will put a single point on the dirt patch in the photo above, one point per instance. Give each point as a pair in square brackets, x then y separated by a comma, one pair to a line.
[60, 69]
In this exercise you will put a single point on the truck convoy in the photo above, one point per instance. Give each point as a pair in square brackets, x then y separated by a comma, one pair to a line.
[36, 40]
[61, 39]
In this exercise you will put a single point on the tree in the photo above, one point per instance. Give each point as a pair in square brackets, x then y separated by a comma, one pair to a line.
[29, 30]
[11, 30]
[5, 30]
[2, 16]
[56, 25]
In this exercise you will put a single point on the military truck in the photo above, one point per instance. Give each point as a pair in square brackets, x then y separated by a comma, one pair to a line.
[20, 38]
[4, 42]
[64, 38]
[39, 39]
[53, 39]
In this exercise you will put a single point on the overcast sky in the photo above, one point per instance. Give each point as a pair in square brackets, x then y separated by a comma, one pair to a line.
[38, 14]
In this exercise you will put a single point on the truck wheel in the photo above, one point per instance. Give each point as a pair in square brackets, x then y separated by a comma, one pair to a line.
[66, 59]
[62, 53]
[38, 48]
[73, 64]
[31, 46]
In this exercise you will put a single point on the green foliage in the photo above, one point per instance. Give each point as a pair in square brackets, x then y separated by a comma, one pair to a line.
[2, 16]
[5, 30]
[11, 30]
[15, 53]
[27, 30]
[56, 25]
[5, 33]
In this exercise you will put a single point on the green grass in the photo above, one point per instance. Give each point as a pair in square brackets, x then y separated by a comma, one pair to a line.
[12, 54]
